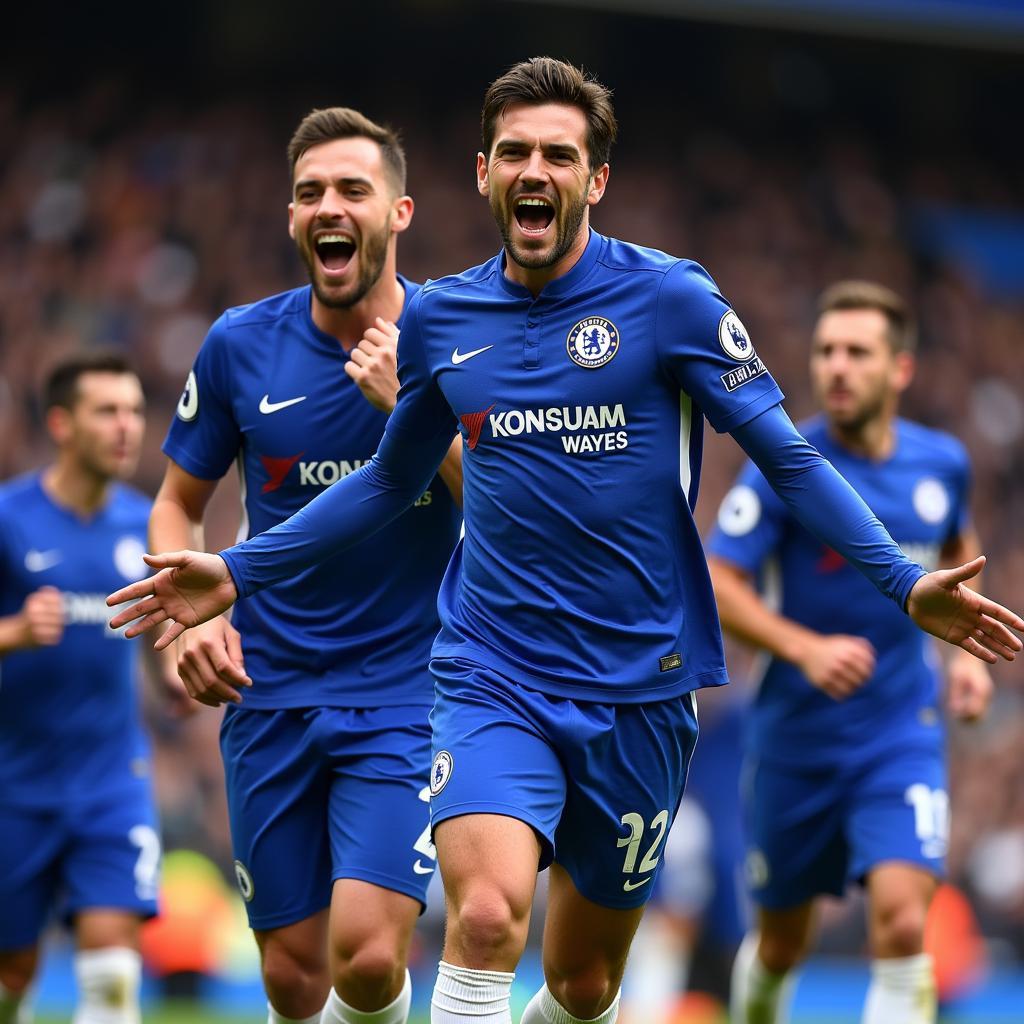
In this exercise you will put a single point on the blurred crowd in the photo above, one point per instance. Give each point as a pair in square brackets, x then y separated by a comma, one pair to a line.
[134, 227]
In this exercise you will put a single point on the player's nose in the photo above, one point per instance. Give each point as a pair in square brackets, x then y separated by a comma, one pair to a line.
[332, 205]
[536, 168]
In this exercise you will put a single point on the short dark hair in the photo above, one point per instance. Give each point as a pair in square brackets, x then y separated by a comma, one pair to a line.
[61, 388]
[547, 80]
[332, 123]
[902, 331]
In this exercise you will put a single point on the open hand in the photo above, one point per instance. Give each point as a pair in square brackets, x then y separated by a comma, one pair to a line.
[192, 587]
[942, 606]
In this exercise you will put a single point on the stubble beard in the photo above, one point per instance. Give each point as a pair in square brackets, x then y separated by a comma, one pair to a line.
[565, 234]
[373, 255]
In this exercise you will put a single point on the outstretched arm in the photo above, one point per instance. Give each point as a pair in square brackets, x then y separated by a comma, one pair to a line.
[830, 508]
[192, 587]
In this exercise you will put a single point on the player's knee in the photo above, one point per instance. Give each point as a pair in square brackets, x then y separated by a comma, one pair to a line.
[587, 993]
[899, 929]
[17, 969]
[292, 975]
[488, 924]
[782, 951]
[373, 970]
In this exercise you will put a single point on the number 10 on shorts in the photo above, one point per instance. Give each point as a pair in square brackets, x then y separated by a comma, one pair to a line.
[637, 827]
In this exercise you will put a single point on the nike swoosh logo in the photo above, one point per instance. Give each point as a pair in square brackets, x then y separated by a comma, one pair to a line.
[38, 561]
[461, 357]
[630, 886]
[421, 870]
[267, 406]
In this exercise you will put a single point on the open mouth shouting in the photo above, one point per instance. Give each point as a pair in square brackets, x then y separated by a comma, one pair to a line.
[534, 215]
[334, 251]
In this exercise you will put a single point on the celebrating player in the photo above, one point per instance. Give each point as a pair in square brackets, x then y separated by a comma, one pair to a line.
[326, 755]
[577, 614]
[76, 805]
[847, 778]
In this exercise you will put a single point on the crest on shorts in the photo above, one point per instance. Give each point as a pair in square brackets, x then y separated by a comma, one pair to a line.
[592, 342]
[441, 772]
[244, 880]
[734, 338]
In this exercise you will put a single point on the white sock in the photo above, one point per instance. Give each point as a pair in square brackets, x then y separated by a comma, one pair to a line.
[901, 989]
[657, 972]
[337, 1011]
[108, 986]
[464, 996]
[15, 1007]
[758, 996]
[543, 1008]
[273, 1017]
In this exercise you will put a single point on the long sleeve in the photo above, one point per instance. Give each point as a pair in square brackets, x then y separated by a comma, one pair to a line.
[825, 503]
[416, 439]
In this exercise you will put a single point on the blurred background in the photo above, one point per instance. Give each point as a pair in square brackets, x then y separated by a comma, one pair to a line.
[783, 145]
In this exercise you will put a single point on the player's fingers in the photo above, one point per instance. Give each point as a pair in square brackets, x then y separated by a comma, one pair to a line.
[228, 672]
[359, 356]
[174, 630]
[971, 646]
[143, 588]
[166, 560]
[1002, 615]
[135, 611]
[960, 573]
[995, 644]
[373, 340]
[140, 627]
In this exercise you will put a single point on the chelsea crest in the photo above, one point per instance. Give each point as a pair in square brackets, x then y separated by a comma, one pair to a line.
[592, 342]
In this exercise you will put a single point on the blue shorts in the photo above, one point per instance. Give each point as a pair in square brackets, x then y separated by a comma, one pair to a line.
[599, 783]
[317, 794]
[811, 832]
[83, 856]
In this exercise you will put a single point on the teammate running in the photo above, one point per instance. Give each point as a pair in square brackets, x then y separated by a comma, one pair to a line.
[577, 614]
[77, 814]
[326, 753]
[846, 778]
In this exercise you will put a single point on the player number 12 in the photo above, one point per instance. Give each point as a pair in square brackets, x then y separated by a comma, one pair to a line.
[637, 827]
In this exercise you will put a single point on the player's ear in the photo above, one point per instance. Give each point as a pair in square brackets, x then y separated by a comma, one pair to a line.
[291, 221]
[482, 184]
[401, 213]
[598, 183]
[58, 423]
[906, 365]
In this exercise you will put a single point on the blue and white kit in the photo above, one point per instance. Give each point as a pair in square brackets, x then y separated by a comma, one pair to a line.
[76, 803]
[328, 755]
[835, 787]
[581, 579]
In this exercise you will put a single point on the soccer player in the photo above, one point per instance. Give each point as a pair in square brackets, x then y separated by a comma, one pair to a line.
[77, 814]
[577, 614]
[846, 780]
[327, 753]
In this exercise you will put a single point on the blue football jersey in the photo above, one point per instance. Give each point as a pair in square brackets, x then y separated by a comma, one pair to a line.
[920, 493]
[269, 389]
[581, 573]
[69, 720]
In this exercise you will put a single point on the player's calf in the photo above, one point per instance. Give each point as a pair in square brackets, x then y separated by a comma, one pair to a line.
[17, 969]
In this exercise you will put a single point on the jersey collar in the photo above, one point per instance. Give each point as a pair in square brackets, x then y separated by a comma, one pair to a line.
[561, 286]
